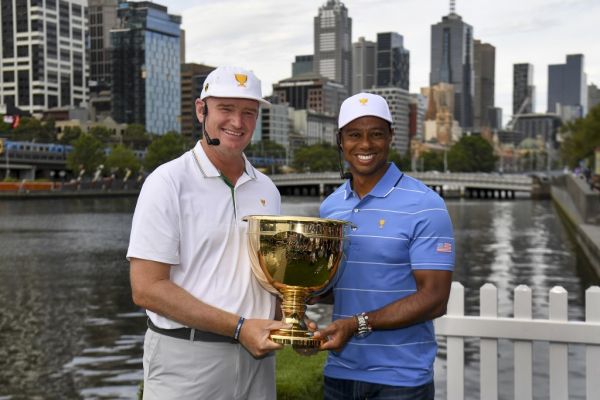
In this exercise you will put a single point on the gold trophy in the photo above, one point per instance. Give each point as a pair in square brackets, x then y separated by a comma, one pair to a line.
[295, 258]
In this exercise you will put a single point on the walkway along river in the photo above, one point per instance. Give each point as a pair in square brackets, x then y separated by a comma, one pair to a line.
[69, 330]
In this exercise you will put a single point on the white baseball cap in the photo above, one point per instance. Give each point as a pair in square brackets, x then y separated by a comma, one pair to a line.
[233, 82]
[362, 105]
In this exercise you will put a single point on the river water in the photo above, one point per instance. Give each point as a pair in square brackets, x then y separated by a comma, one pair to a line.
[68, 328]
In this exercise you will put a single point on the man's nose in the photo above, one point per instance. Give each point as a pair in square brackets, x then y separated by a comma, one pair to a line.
[236, 119]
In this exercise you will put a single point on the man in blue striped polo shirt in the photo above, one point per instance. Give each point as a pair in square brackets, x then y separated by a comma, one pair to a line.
[398, 269]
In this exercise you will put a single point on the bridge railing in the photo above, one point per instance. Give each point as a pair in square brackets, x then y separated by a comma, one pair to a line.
[522, 330]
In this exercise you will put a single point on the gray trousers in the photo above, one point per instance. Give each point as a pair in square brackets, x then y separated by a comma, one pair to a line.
[181, 369]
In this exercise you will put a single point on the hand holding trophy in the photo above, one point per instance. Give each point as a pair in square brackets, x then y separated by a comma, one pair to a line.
[295, 258]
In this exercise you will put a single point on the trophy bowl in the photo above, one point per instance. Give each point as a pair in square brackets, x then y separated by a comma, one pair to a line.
[295, 258]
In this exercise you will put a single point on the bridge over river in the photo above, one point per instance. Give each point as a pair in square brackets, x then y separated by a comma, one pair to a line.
[475, 185]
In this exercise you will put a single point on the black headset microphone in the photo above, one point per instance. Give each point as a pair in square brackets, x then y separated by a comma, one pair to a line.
[343, 175]
[209, 141]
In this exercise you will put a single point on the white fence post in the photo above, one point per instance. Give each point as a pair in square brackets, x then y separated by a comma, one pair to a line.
[488, 298]
[455, 347]
[523, 353]
[592, 355]
[559, 360]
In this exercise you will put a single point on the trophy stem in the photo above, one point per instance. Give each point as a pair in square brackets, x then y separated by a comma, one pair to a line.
[293, 308]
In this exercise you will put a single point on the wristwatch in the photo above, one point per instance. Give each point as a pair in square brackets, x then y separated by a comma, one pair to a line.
[364, 329]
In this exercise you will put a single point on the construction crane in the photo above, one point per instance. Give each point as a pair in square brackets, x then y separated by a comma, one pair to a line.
[511, 124]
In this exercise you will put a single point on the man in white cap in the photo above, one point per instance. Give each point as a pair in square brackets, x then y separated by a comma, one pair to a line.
[397, 272]
[209, 319]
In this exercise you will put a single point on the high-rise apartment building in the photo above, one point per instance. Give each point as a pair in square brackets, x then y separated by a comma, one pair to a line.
[393, 61]
[523, 89]
[192, 80]
[146, 86]
[567, 88]
[363, 65]
[452, 62]
[102, 18]
[418, 108]
[398, 100]
[484, 67]
[43, 52]
[333, 43]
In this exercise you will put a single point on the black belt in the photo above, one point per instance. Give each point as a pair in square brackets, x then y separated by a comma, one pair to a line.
[186, 333]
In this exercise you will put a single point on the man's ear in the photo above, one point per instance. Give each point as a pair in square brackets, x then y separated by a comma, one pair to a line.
[200, 109]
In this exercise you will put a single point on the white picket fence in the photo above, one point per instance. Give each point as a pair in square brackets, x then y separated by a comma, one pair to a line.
[522, 330]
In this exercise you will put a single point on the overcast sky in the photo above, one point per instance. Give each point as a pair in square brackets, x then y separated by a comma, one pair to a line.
[265, 35]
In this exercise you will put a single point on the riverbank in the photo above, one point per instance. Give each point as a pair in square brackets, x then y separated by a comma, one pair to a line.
[578, 206]
[62, 194]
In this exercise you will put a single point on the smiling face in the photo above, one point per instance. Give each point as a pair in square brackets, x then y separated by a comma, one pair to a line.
[231, 120]
[365, 144]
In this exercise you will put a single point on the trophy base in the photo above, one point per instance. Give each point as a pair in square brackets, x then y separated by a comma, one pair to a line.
[298, 339]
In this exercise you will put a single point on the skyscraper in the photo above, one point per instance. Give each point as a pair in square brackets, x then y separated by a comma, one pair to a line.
[393, 61]
[593, 96]
[102, 18]
[192, 80]
[452, 62]
[43, 51]
[333, 43]
[146, 69]
[523, 89]
[567, 88]
[484, 67]
[363, 65]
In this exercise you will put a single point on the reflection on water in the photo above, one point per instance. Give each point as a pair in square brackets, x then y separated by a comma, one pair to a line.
[68, 328]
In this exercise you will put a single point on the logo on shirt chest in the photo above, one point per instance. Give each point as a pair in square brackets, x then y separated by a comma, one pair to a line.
[381, 223]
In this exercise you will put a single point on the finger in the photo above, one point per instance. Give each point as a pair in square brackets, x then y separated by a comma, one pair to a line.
[312, 326]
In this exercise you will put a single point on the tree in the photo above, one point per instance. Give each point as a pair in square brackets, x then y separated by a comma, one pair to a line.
[266, 149]
[164, 148]
[402, 162]
[135, 135]
[582, 137]
[316, 158]
[471, 154]
[88, 153]
[101, 133]
[433, 161]
[32, 129]
[70, 134]
[121, 159]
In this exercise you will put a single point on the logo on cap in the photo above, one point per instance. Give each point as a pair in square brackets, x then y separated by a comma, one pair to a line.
[206, 87]
[241, 79]
[363, 101]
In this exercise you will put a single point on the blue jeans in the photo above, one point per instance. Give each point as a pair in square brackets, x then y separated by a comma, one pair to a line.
[343, 389]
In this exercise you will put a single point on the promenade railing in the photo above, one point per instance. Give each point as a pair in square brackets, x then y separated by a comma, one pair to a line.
[522, 330]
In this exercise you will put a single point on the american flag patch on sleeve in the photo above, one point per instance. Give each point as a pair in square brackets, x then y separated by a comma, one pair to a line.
[444, 247]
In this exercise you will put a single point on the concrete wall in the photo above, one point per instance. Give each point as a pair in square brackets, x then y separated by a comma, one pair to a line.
[586, 200]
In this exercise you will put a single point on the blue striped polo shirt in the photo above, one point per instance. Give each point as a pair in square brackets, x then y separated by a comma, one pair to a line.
[400, 226]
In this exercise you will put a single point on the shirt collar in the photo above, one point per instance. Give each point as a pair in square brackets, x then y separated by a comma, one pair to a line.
[208, 169]
[383, 187]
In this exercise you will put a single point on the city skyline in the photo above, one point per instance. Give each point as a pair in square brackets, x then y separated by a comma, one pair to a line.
[266, 37]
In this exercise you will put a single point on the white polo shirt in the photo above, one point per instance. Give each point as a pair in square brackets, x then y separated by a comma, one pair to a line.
[189, 217]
